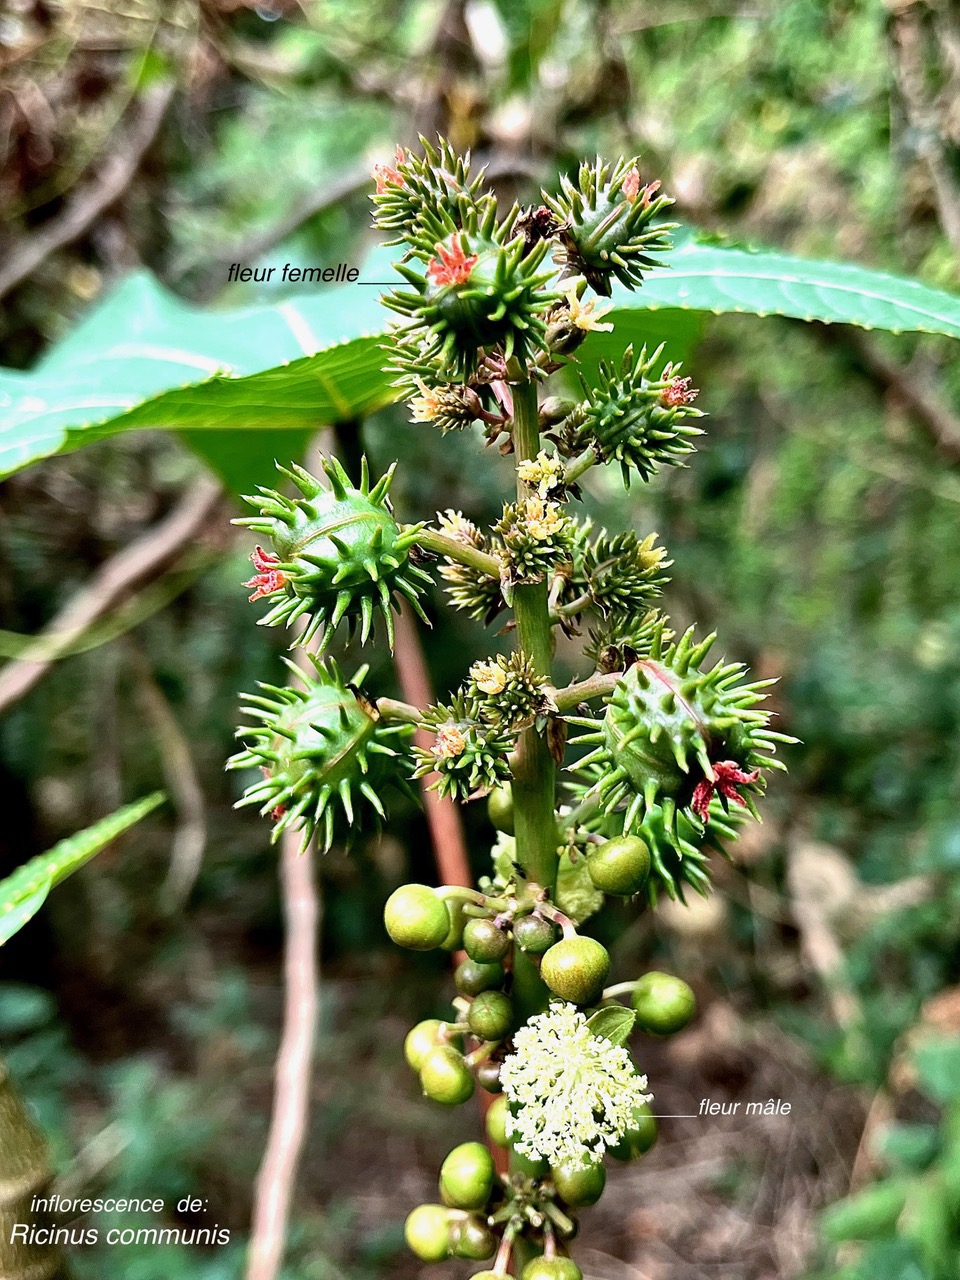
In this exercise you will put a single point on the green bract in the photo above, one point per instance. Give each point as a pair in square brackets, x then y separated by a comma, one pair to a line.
[322, 750]
[338, 553]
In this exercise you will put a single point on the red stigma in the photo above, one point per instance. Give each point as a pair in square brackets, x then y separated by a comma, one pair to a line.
[454, 266]
[267, 579]
[727, 777]
[631, 184]
[678, 392]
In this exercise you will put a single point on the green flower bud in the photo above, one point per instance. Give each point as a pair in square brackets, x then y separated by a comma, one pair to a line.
[529, 1166]
[445, 1076]
[427, 1232]
[416, 917]
[579, 1185]
[534, 934]
[420, 1040]
[470, 978]
[472, 1238]
[488, 1076]
[552, 1269]
[491, 1015]
[639, 1137]
[484, 942]
[497, 1122]
[454, 939]
[466, 1176]
[620, 866]
[664, 1004]
[500, 808]
[576, 969]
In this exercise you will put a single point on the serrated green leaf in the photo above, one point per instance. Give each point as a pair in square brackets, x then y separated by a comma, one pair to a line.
[24, 893]
[143, 358]
[613, 1023]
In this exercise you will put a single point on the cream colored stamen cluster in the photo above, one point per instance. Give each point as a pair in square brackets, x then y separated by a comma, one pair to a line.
[584, 315]
[489, 677]
[426, 406]
[450, 742]
[545, 471]
[574, 1093]
[543, 519]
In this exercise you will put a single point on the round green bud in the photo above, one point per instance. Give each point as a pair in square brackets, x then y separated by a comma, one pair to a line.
[552, 1269]
[485, 1275]
[416, 917]
[620, 866]
[534, 934]
[445, 1076]
[454, 939]
[500, 808]
[639, 1137]
[427, 1232]
[472, 1238]
[491, 1015]
[496, 1124]
[488, 1076]
[664, 1004]
[470, 978]
[484, 942]
[579, 1185]
[466, 1176]
[530, 1166]
[576, 969]
[420, 1040]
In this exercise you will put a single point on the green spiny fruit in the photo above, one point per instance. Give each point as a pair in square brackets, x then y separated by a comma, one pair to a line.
[317, 746]
[640, 422]
[482, 288]
[418, 198]
[338, 553]
[606, 224]
[673, 736]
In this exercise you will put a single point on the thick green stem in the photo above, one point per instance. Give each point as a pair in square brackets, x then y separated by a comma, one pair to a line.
[534, 771]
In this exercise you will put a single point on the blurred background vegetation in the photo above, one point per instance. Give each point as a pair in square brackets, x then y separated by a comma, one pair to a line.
[817, 528]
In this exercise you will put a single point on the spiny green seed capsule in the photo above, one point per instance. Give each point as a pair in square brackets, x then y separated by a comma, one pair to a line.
[320, 749]
[416, 917]
[500, 808]
[466, 1176]
[420, 1040]
[620, 866]
[609, 223]
[639, 1137]
[534, 934]
[576, 969]
[484, 942]
[491, 1015]
[673, 738]
[445, 1076]
[552, 1269]
[471, 1238]
[496, 1124]
[663, 1004]
[470, 978]
[337, 553]
[579, 1185]
[427, 1232]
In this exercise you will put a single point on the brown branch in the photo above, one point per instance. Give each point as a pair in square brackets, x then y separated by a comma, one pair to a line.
[443, 817]
[93, 199]
[182, 783]
[276, 1179]
[918, 397]
[923, 117]
[142, 561]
